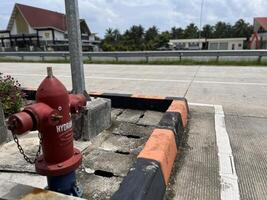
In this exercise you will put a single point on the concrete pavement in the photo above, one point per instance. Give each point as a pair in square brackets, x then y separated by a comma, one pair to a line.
[232, 87]
[240, 90]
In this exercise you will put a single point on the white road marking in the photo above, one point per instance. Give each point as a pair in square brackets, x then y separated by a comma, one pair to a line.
[150, 80]
[227, 171]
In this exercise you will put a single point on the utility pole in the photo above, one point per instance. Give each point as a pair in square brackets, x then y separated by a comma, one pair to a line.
[200, 20]
[75, 46]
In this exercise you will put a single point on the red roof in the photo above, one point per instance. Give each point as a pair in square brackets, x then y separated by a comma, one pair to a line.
[41, 18]
[262, 21]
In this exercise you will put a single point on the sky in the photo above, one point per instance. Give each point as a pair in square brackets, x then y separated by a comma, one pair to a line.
[121, 14]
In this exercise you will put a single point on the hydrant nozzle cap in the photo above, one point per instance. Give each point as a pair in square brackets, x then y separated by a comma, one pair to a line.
[49, 72]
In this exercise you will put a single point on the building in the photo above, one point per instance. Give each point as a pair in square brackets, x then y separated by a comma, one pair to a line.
[31, 28]
[208, 44]
[258, 39]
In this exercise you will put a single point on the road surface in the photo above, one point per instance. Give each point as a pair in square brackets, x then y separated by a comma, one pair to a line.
[240, 91]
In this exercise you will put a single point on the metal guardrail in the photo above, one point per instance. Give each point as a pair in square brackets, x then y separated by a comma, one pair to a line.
[140, 54]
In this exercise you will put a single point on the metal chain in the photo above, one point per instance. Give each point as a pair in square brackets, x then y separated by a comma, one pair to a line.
[23, 153]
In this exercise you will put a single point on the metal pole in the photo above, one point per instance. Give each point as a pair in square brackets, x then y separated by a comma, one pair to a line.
[75, 46]
[200, 21]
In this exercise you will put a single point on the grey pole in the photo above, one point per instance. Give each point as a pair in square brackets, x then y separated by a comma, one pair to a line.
[75, 46]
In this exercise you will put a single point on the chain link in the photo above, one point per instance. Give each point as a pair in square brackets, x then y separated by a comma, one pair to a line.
[23, 153]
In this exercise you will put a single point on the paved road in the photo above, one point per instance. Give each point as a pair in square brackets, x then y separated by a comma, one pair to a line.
[240, 90]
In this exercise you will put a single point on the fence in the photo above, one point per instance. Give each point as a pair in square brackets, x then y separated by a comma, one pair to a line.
[138, 55]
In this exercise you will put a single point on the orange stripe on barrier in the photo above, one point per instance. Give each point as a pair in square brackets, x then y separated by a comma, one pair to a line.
[161, 146]
[148, 97]
[180, 107]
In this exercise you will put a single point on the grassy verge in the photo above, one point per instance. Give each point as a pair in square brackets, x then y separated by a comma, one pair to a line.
[158, 62]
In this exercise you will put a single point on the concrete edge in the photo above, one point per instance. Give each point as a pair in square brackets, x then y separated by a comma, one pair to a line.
[15, 191]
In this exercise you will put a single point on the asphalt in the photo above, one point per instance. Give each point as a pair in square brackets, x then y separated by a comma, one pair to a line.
[240, 90]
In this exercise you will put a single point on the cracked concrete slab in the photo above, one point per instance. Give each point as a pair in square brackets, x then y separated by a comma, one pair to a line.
[150, 118]
[98, 187]
[12, 160]
[123, 144]
[107, 157]
[131, 116]
[115, 163]
[115, 112]
[128, 129]
[25, 179]
[15, 191]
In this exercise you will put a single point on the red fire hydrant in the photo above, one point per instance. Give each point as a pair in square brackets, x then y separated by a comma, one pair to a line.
[50, 115]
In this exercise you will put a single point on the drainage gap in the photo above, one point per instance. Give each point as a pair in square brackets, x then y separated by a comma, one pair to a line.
[103, 173]
[133, 136]
[122, 152]
[142, 116]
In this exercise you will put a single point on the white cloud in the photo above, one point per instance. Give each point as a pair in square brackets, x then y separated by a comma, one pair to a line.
[121, 14]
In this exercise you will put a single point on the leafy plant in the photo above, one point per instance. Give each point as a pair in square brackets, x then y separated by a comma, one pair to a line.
[11, 95]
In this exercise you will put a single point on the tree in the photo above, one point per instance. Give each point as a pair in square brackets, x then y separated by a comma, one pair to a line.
[191, 31]
[112, 39]
[207, 31]
[222, 30]
[151, 33]
[163, 39]
[134, 38]
[151, 36]
[109, 35]
[177, 33]
[242, 29]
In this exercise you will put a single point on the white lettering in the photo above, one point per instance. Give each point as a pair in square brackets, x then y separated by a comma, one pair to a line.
[64, 127]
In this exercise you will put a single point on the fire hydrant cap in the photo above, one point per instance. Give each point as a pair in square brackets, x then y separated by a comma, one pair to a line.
[20, 123]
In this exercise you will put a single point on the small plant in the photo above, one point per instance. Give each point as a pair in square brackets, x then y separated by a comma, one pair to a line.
[11, 95]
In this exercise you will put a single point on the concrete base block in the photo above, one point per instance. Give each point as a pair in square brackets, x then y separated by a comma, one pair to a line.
[3, 128]
[97, 187]
[95, 118]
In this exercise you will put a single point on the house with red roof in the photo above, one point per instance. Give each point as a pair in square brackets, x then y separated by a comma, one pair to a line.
[258, 39]
[36, 28]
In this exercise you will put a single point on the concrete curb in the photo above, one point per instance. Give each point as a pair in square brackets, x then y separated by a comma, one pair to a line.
[148, 178]
[150, 174]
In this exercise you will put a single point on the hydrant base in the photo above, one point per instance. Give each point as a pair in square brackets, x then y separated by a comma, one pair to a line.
[65, 184]
[59, 169]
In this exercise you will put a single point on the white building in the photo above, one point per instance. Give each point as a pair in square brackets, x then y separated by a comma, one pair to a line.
[30, 26]
[208, 44]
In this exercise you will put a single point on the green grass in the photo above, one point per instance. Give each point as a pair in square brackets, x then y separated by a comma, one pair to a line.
[158, 62]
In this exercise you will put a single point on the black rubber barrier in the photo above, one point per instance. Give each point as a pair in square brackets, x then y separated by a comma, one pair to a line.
[173, 121]
[144, 182]
[123, 101]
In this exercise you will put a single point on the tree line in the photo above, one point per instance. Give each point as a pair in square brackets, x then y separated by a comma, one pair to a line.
[136, 38]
